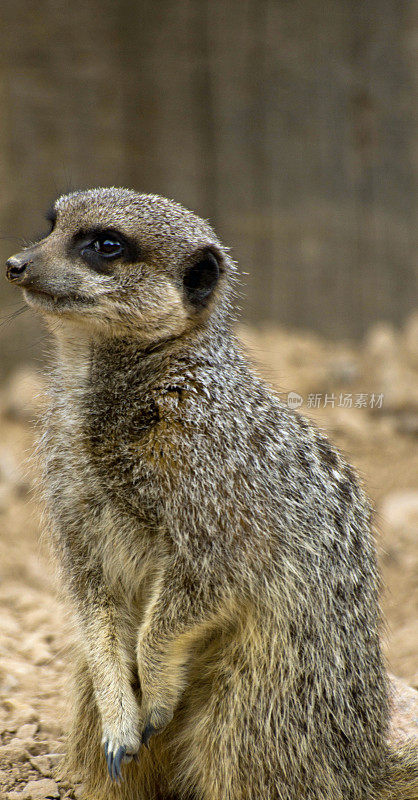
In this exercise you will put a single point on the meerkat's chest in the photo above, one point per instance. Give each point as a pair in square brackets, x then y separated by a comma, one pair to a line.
[90, 508]
[101, 432]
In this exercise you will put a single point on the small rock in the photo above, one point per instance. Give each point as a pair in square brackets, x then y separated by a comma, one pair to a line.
[37, 617]
[24, 397]
[13, 751]
[52, 728]
[351, 421]
[54, 759]
[37, 748]
[40, 790]
[19, 714]
[41, 655]
[9, 684]
[343, 370]
[400, 509]
[407, 422]
[381, 341]
[9, 624]
[27, 731]
[46, 764]
[18, 742]
[404, 722]
[42, 764]
[35, 648]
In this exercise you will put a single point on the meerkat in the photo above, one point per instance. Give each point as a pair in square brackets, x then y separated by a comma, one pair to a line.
[217, 550]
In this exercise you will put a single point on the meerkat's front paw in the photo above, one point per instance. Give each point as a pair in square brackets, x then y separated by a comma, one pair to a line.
[155, 721]
[119, 748]
[161, 688]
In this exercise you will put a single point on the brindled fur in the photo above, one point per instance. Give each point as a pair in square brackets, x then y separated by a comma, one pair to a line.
[216, 548]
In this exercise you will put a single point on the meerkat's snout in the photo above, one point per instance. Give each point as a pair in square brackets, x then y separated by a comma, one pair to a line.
[26, 270]
[16, 267]
[45, 287]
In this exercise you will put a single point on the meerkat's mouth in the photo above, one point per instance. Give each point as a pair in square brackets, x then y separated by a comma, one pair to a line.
[54, 302]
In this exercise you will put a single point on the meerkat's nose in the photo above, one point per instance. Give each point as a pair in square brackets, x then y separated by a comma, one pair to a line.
[16, 267]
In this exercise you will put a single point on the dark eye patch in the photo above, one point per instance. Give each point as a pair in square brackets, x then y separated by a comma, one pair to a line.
[201, 277]
[99, 247]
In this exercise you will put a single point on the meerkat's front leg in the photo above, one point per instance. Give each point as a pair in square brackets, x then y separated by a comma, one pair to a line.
[108, 638]
[181, 611]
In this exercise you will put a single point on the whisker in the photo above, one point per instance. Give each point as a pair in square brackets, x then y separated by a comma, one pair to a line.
[13, 238]
[13, 315]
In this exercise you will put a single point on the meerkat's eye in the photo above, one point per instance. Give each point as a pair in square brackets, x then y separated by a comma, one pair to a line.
[99, 248]
[107, 246]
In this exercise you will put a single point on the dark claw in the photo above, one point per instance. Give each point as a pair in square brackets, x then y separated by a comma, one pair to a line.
[117, 761]
[114, 761]
[148, 731]
[109, 759]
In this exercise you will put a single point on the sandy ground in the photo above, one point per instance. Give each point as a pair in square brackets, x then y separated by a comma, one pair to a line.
[35, 639]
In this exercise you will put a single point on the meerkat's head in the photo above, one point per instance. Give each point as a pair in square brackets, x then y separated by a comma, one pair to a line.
[119, 263]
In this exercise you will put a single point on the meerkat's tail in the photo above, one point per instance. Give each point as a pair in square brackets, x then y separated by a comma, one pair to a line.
[402, 772]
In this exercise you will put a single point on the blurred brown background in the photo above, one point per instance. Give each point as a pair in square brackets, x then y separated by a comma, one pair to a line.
[290, 124]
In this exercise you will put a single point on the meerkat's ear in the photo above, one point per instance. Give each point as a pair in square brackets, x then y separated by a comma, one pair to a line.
[202, 275]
